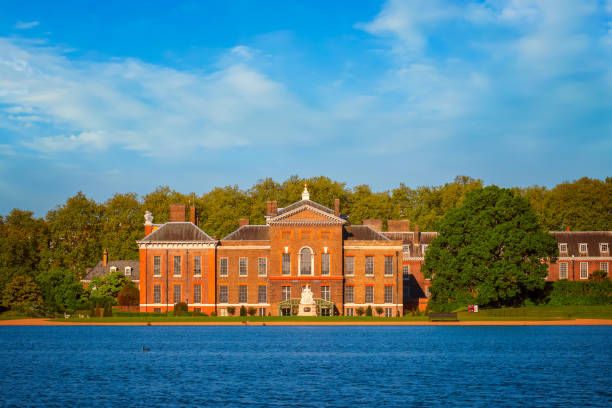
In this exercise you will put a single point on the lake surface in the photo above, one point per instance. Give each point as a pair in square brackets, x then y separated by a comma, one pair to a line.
[306, 366]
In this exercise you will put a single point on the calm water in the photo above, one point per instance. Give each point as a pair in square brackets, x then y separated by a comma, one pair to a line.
[306, 366]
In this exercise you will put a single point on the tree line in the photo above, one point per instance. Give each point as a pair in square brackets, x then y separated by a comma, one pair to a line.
[71, 237]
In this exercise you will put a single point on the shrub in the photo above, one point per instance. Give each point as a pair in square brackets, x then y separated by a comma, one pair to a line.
[252, 311]
[592, 293]
[213, 314]
[243, 311]
[369, 311]
[379, 310]
[359, 311]
[129, 295]
[231, 310]
[180, 308]
[599, 276]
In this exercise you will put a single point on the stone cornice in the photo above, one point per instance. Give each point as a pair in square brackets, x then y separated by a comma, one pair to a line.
[177, 245]
[278, 220]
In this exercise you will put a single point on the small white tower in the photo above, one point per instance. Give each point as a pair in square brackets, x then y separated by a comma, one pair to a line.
[305, 194]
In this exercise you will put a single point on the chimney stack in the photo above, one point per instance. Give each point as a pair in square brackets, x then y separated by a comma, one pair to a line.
[374, 223]
[274, 209]
[337, 207]
[268, 207]
[568, 228]
[243, 221]
[416, 234]
[177, 212]
[398, 225]
[192, 215]
[105, 257]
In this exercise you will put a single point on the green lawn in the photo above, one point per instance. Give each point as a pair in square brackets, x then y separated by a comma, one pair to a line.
[540, 313]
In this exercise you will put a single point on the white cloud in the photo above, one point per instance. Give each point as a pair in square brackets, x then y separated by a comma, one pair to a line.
[25, 25]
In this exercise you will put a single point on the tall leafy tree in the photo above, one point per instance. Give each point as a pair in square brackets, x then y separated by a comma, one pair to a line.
[122, 226]
[489, 251]
[21, 293]
[61, 289]
[75, 230]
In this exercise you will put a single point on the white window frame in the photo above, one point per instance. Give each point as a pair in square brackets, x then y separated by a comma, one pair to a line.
[388, 312]
[406, 249]
[326, 258]
[174, 265]
[195, 298]
[261, 311]
[221, 294]
[584, 270]
[261, 299]
[127, 271]
[223, 267]
[113, 269]
[156, 265]
[157, 294]
[369, 295]
[349, 312]
[243, 266]
[604, 247]
[603, 266]
[406, 271]
[424, 248]
[561, 265]
[262, 266]
[246, 294]
[563, 247]
[365, 266]
[197, 271]
[286, 272]
[311, 262]
[326, 293]
[388, 296]
[348, 289]
[174, 293]
[390, 272]
[285, 292]
[586, 248]
[349, 271]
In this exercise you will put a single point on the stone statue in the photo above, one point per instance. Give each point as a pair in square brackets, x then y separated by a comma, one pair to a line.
[307, 296]
[148, 218]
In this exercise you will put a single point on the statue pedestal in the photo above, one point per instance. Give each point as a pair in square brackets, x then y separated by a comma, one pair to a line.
[307, 309]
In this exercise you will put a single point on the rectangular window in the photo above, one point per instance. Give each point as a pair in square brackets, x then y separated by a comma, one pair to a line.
[406, 271]
[157, 265]
[242, 267]
[261, 311]
[177, 294]
[128, 271]
[197, 294]
[157, 310]
[197, 265]
[324, 264]
[262, 266]
[583, 248]
[563, 270]
[177, 265]
[603, 266]
[156, 293]
[388, 312]
[584, 270]
[286, 264]
[242, 294]
[603, 247]
[349, 294]
[223, 267]
[406, 249]
[388, 294]
[325, 293]
[262, 294]
[369, 294]
[348, 312]
[563, 247]
[424, 246]
[223, 294]
[286, 292]
[369, 266]
[388, 266]
[223, 312]
[349, 265]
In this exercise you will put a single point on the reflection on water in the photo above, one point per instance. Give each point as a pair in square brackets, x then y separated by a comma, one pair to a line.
[305, 366]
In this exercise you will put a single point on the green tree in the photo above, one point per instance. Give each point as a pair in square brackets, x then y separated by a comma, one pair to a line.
[129, 295]
[107, 286]
[75, 234]
[61, 289]
[122, 226]
[158, 202]
[222, 208]
[489, 251]
[21, 293]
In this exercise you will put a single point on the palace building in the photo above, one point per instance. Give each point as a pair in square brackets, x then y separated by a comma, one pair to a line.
[347, 267]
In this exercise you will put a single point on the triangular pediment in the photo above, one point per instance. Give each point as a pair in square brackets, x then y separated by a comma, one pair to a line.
[306, 214]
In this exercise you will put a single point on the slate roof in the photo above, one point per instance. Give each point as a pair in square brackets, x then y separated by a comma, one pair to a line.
[100, 270]
[177, 232]
[591, 238]
[250, 233]
[361, 233]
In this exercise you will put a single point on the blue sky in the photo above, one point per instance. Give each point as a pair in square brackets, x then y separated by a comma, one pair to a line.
[126, 96]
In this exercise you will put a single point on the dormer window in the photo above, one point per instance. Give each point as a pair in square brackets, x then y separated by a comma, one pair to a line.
[563, 247]
[603, 247]
[113, 269]
[406, 249]
[128, 271]
[424, 248]
[582, 248]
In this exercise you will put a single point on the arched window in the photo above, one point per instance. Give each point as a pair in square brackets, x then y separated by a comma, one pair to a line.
[306, 260]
